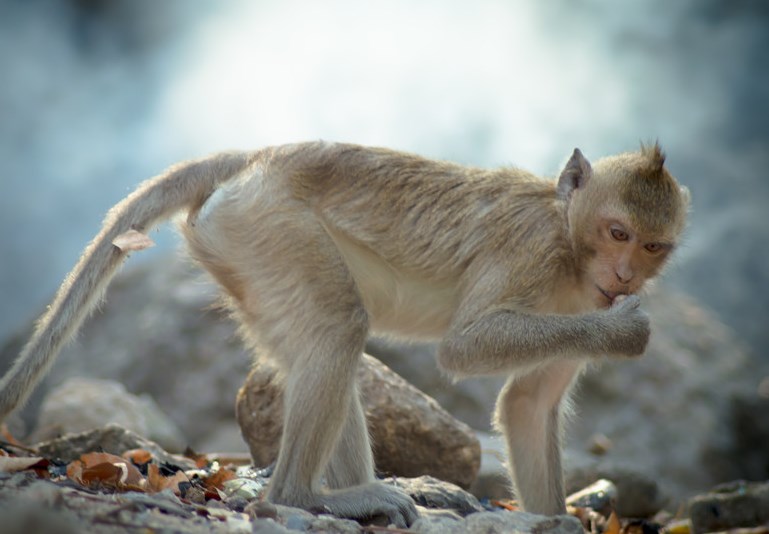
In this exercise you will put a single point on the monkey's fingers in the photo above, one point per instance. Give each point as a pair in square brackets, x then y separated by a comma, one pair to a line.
[628, 302]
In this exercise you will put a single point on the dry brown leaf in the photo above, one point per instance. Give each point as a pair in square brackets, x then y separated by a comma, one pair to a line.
[107, 469]
[157, 482]
[201, 460]
[107, 474]
[507, 504]
[138, 456]
[132, 240]
[612, 524]
[75, 470]
[11, 464]
[217, 480]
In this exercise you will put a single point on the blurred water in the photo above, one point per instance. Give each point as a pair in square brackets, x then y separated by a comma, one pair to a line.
[97, 95]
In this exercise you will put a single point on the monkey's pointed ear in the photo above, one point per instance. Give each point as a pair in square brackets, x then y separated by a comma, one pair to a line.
[574, 175]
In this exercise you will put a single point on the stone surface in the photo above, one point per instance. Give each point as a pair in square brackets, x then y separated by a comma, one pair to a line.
[411, 433]
[29, 504]
[111, 438]
[493, 480]
[430, 492]
[499, 523]
[81, 404]
[735, 505]
[747, 427]
[470, 399]
[601, 496]
[637, 494]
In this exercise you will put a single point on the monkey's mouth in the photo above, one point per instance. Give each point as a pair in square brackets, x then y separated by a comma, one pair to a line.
[610, 295]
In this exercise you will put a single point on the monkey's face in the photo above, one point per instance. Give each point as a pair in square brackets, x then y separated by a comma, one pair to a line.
[621, 259]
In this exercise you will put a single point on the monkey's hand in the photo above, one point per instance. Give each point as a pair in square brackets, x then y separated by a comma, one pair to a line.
[626, 327]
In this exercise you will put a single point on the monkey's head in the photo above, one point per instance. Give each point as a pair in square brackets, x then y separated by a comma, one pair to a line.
[625, 215]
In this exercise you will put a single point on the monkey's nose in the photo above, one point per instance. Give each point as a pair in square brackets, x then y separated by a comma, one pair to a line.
[624, 275]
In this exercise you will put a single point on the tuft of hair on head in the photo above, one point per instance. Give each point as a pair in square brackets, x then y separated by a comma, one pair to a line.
[655, 155]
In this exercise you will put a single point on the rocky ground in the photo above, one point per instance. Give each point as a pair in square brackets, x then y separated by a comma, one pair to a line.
[660, 430]
[110, 480]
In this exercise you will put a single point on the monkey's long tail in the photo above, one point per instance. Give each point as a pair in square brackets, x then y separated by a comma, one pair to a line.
[185, 185]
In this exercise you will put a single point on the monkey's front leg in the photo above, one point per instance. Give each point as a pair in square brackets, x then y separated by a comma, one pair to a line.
[528, 413]
[506, 340]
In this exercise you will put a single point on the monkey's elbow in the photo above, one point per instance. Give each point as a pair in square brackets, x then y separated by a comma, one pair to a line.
[454, 357]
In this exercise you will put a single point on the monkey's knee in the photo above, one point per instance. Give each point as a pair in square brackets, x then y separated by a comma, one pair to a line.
[517, 404]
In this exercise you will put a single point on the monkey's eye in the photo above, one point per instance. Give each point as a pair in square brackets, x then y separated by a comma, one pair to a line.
[654, 248]
[619, 234]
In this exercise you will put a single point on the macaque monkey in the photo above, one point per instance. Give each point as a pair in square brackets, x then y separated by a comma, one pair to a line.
[317, 244]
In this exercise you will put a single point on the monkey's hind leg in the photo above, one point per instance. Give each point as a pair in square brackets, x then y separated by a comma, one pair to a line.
[296, 299]
[324, 430]
[352, 462]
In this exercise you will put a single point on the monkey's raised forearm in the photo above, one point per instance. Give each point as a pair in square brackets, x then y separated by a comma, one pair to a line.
[505, 340]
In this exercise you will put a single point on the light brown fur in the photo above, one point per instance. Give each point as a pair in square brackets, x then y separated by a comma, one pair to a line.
[317, 244]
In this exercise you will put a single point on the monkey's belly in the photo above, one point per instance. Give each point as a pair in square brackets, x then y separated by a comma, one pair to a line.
[408, 307]
[398, 303]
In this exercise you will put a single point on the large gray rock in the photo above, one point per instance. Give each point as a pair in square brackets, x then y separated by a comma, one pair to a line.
[430, 492]
[411, 433]
[81, 404]
[731, 506]
[499, 523]
[469, 400]
[113, 439]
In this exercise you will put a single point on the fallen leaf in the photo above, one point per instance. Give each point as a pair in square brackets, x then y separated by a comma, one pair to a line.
[217, 479]
[108, 474]
[107, 469]
[157, 482]
[132, 240]
[507, 504]
[201, 460]
[138, 456]
[11, 464]
[612, 524]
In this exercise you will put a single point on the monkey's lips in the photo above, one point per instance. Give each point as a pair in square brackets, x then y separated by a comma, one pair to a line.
[610, 295]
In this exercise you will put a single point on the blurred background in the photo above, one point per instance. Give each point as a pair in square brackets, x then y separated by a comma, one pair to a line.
[97, 95]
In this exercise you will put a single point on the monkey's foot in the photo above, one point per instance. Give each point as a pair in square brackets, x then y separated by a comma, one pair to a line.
[361, 502]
